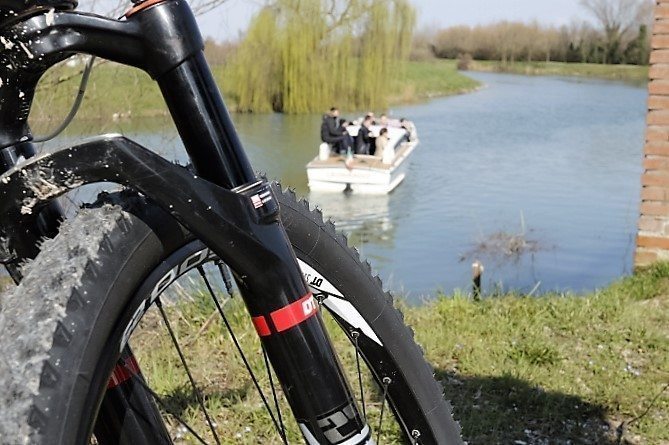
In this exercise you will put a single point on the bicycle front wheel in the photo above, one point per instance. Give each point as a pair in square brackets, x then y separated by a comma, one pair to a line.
[122, 273]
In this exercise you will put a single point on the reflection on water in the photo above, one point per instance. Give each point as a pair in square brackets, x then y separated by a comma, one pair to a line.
[365, 219]
[556, 159]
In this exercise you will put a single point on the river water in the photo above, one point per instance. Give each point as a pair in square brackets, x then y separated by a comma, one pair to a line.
[536, 177]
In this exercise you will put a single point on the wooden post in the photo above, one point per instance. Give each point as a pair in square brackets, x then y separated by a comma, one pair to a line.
[477, 273]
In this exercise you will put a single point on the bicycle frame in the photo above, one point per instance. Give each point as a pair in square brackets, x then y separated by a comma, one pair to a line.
[223, 203]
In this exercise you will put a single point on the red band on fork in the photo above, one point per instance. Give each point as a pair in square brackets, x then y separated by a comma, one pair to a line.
[123, 372]
[288, 316]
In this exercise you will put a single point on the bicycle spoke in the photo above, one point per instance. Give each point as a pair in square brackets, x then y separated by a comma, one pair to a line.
[163, 405]
[185, 365]
[276, 400]
[355, 336]
[386, 382]
[238, 346]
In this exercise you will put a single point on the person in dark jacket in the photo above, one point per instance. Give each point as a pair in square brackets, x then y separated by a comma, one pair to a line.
[349, 141]
[331, 132]
[365, 139]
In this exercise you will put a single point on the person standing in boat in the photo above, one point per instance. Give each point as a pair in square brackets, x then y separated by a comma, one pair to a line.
[331, 132]
[365, 139]
[410, 128]
[383, 148]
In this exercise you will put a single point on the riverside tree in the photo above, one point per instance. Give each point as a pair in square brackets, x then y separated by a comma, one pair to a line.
[620, 20]
[579, 41]
[301, 56]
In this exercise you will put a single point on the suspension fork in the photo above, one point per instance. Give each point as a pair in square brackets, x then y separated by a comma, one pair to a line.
[282, 309]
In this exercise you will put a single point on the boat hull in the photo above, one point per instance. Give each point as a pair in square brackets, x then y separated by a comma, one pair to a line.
[366, 175]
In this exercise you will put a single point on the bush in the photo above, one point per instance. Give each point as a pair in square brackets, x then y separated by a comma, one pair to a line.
[464, 61]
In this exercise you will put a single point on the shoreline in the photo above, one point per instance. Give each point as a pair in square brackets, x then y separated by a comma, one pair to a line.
[633, 74]
[436, 95]
[433, 79]
[109, 98]
[424, 81]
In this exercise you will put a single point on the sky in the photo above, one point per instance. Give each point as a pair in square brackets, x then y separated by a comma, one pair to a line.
[233, 17]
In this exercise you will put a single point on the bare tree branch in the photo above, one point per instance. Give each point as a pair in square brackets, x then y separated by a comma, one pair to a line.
[619, 16]
[619, 19]
[115, 8]
[342, 12]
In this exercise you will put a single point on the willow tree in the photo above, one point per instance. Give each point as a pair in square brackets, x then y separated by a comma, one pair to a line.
[303, 55]
[385, 46]
[253, 80]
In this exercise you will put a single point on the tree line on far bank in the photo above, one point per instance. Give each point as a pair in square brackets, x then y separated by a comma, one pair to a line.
[301, 56]
[620, 35]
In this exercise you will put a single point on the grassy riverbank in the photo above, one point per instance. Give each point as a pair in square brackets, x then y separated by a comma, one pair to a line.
[556, 369]
[630, 73]
[432, 78]
[117, 92]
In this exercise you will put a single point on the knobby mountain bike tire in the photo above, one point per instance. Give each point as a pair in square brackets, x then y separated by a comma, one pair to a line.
[64, 326]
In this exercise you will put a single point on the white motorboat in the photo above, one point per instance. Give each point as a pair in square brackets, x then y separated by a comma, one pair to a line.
[363, 173]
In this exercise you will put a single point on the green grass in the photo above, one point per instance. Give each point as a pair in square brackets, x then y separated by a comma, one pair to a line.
[559, 367]
[230, 395]
[114, 92]
[552, 369]
[630, 73]
[432, 78]
[117, 92]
